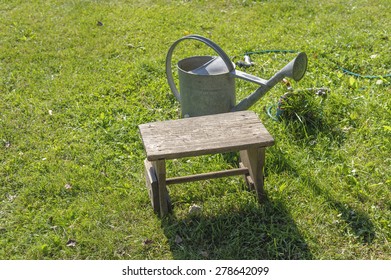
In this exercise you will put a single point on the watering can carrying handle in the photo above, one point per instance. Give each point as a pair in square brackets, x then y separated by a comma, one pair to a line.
[208, 42]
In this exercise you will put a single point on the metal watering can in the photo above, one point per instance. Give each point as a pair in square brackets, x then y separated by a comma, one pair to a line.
[207, 83]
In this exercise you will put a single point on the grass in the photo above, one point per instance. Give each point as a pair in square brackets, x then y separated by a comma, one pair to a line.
[78, 77]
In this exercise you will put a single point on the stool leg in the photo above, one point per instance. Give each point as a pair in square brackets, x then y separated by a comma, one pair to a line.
[254, 160]
[160, 168]
[152, 185]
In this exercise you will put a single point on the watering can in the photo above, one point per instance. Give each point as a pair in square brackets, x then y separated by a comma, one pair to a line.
[207, 83]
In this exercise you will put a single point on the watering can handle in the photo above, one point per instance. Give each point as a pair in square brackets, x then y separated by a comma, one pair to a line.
[208, 42]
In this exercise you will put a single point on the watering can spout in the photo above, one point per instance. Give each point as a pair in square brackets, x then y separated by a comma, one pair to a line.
[294, 69]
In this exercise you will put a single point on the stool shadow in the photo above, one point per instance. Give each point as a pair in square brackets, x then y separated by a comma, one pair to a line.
[248, 231]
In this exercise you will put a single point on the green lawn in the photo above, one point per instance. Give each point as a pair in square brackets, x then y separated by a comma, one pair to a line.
[78, 77]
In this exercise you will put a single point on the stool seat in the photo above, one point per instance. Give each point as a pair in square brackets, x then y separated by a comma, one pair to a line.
[203, 135]
[228, 132]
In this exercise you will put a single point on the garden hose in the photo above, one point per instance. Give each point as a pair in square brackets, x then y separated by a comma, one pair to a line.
[363, 76]
[269, 51]
[247, 62]
[269, 113]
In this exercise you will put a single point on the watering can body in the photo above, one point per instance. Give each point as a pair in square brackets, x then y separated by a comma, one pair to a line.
[204, 88]
[207, 83]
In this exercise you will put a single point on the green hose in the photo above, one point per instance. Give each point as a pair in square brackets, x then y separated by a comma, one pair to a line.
[344, 70]
[363, 76]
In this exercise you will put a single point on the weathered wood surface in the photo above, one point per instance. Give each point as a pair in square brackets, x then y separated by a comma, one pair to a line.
[206, 176]
[254, 160]
[160, 169]
[204, 135]
[152, 185]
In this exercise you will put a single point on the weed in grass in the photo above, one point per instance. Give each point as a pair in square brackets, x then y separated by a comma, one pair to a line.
[305, 108]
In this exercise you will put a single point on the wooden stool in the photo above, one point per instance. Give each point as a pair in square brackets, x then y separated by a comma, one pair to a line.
[228, 132]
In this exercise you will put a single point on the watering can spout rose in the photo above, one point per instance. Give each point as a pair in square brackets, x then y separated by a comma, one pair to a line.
[207, 83]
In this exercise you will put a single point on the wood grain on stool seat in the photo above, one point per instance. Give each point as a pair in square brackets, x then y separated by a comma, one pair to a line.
[204, 135]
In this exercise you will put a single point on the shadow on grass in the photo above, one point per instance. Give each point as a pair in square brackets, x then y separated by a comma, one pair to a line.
[246, 231]
[358, 221]
[307, 124]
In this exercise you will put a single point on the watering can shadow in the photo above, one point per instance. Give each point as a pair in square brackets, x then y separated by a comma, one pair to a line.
[207, 83]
